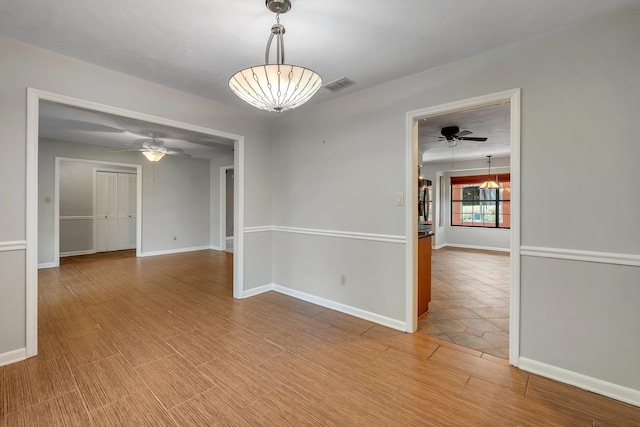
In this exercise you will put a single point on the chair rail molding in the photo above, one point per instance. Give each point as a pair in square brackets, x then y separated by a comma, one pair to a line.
[15, 245]
[580, 255]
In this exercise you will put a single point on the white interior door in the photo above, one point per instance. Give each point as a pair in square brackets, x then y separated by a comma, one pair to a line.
[106, 211]
[115, 211]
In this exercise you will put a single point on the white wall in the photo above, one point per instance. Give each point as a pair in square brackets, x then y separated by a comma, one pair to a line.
[27, 66]
[580, 103]
[472, 237]
[216, 164]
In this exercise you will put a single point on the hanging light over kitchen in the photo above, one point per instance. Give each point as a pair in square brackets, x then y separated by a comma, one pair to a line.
[489, 184]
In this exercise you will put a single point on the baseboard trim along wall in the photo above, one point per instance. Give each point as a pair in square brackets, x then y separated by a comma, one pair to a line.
[323, 302]
[52, 264]
[605, 388]
[74, 253]
[215, 248]
[15, 245]
[13, 356]
[389, 238]
[174, 251]
[576, 255]
[480, 248]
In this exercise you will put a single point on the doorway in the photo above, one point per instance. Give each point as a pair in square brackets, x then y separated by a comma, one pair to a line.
[34, 99]
[513, 98]
[227, 194]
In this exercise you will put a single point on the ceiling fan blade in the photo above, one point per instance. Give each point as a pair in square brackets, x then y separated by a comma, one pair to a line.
[130, 149]
[466, 138]
[177, 153]
[464, 132]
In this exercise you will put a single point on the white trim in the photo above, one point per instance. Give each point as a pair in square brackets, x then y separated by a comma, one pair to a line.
[513, 97]
[16, 245]
[75, 217]
[238, 217]
[586, 256]
[605, 388]
[215, 248]
[257, 291]
[47, 265]
[34, 96]
[323, 302]
[74, 253]
[13, 356]
[388, 238]
[480, 248]
[228, 238]
[174, 251]
[258, 229]
[343, 308]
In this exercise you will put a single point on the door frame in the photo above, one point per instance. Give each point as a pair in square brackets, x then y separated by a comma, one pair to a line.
[34, 96]
[411, 179]
[223, 208]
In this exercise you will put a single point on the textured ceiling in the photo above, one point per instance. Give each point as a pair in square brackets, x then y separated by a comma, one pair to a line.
[491, 122]
[195, 45]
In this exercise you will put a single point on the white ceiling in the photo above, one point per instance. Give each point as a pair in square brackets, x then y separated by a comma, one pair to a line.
[87, 127]
[195, 45]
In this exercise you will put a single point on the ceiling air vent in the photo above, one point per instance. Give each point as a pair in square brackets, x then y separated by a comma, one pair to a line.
[339, 84]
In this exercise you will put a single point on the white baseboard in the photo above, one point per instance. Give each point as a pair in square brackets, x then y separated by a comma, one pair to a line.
[257, 291]
[605, 388]
[481, 248]
[174, 251]
[215, 248]
[439, 246]
[48, 265]
[323, 302]
[74, 253]
[13, 356]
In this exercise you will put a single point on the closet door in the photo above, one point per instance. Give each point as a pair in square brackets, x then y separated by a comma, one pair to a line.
[126, 211]
[106, 211]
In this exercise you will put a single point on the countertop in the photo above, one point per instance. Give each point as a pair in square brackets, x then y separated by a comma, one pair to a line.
[423, 234]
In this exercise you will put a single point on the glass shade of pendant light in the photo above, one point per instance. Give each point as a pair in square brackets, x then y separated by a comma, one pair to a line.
[276, 87]
[489, 184]
[153, 156]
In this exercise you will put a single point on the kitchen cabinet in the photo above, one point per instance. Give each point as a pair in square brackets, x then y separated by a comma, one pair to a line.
[424, 274]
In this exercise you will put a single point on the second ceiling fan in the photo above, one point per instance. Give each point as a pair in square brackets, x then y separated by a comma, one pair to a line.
[453, 134]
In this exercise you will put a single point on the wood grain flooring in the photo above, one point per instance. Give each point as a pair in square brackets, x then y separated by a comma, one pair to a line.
[160, 341]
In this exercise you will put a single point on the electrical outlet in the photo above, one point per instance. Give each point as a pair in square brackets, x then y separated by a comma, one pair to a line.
[343, 279]
[175, 237]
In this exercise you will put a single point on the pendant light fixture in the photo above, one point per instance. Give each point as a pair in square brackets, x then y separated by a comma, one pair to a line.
[489, 184]
[276, 87]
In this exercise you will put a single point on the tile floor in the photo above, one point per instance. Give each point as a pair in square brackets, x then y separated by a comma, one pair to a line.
[470, 300]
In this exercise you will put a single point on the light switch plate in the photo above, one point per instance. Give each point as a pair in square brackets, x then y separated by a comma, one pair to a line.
[399, 199]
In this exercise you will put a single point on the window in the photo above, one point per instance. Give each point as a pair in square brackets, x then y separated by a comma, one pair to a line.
[472, 206]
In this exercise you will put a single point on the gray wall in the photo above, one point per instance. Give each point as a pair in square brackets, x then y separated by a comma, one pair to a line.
[175, 196]
[76, 199]
[27, 66]
[580, 103]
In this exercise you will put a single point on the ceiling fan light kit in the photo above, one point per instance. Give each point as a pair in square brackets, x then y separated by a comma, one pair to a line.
[276, 87]
[153, 156]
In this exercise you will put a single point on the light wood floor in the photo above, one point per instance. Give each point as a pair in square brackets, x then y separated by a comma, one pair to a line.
[160, 341]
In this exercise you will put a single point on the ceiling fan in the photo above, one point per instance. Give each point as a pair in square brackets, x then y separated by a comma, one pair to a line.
[453, 134]
[153, 148]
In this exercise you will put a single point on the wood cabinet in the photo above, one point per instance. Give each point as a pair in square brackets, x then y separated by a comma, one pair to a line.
[424, 275]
